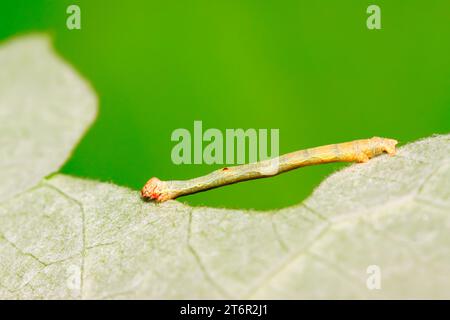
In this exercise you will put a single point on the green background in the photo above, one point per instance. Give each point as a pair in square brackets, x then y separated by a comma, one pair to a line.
[310, 68]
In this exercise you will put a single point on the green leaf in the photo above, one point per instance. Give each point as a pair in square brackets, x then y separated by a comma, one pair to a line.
[67, 237]
[45, 107]
[75, 238]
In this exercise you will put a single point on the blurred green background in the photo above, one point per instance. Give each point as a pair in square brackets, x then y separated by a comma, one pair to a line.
[310, 68]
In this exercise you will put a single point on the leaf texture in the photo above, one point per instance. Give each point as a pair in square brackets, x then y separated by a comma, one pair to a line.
[390, 212]
[63, 237]
[45, 107]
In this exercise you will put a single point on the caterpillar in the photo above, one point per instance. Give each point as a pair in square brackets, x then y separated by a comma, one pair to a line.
[354, 151]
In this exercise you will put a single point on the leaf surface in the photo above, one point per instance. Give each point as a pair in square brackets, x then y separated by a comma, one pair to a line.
[45, 107]
[66, 237]
[76, 238]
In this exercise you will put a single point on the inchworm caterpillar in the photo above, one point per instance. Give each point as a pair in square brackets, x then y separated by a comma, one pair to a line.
[354, 151]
